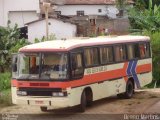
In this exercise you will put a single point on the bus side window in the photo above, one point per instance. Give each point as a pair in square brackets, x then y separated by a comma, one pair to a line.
[91, 57]
[76, 65]
[136, 49]
[106, 55]
[120, 53]
[130, 51]
[144, 50]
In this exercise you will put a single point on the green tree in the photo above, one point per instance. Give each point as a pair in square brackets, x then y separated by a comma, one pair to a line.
[9, 42]
[121, 6]
[145, 19]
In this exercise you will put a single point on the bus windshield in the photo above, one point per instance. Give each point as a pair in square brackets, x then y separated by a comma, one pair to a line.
[43, 66]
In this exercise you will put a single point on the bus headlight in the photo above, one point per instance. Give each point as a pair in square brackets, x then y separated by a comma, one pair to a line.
[59, 94]
[21, 93]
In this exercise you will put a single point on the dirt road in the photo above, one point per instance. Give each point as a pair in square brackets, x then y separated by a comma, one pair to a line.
[143, 102]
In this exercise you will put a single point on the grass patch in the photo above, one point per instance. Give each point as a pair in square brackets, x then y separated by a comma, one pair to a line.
[5, 98]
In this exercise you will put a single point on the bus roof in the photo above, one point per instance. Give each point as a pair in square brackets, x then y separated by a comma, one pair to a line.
[66, 45]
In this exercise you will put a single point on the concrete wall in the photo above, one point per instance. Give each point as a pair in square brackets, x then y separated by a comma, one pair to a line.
[22, 17]
[56, 27]
[113, 26]
[1, 13]
[7, 7]
[116, 26]
[109, 10]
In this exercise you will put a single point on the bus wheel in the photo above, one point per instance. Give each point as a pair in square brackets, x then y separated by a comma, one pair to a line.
[120, 95]
[83, 103]
[43, 109]
[89, 96]
[129, 90]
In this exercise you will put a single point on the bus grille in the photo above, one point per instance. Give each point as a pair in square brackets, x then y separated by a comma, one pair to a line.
[39, 84]
[40, 91]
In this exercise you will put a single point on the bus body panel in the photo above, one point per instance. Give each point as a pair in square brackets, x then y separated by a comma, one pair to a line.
[101, 89]
[104, 80]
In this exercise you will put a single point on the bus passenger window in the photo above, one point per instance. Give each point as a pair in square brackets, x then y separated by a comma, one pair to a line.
[120, 53]
[77, 66]
[136, 48]
[130, 51]
[144, 50]
[91, 56]
[106, 55]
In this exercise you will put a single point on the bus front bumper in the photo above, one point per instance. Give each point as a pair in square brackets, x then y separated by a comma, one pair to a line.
[55, 102]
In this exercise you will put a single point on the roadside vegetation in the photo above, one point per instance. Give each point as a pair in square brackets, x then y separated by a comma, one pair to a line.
[9, 43]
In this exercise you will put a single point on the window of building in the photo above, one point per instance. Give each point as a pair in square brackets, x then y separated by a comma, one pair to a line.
[99, 10]
[144, 49]
[77, 66]
[92, 21]
[91, 56]
[106, 55]
[120, 53]
[43, 15]
[80, 13]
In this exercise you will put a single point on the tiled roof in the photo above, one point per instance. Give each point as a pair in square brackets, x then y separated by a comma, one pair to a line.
[91, 2]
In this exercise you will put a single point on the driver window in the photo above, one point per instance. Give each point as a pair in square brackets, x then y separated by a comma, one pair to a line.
[77, 66]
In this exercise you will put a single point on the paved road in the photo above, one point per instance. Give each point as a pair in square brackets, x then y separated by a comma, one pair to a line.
[143, 102]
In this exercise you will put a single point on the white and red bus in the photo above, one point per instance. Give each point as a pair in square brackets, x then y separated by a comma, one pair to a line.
[75, 72]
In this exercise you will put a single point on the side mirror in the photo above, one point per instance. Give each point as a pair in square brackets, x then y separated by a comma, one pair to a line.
[14, 67]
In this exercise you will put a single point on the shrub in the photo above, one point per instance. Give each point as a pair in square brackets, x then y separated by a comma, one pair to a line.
[5, 81]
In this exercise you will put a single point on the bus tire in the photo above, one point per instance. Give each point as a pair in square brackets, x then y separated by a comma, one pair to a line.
[89, 96]
[43, 109]
[120, 95]
[129, 90]
[83, 103]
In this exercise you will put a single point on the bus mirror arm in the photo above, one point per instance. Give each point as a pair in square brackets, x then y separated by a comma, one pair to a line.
[14, 67]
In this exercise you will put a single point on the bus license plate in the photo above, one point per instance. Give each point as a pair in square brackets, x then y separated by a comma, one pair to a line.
[39, 102]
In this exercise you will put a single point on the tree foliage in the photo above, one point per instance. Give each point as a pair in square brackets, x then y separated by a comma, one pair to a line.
[145, 19]
[121, 4]
[9, 43]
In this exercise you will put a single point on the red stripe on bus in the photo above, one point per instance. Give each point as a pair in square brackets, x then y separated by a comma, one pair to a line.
[87, 79]
[144, 68]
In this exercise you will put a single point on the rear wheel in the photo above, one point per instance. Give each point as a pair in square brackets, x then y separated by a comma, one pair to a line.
[43, 109]
[83, 103]
[129, 90]
[120, 95]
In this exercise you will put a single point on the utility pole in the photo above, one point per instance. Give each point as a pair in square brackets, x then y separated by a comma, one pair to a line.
[46, 8]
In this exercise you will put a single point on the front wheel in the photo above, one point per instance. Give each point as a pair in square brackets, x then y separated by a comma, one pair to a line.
[43, 109]
[83, 103]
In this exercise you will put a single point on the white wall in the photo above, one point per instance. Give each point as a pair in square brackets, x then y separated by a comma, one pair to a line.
[1, 13]
[18, 5]
[59, 28]
[88, 9]
[21, 18]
